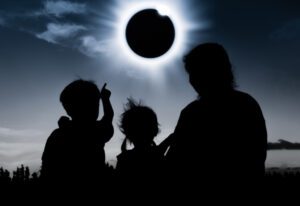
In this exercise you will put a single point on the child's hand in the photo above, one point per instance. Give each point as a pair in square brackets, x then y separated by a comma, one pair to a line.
[105, 93]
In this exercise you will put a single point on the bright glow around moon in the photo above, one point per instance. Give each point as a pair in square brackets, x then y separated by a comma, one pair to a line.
[163, 10]
[123, 11]
[178, 41]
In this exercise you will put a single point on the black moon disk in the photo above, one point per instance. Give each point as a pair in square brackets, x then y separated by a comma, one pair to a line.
[150, 34]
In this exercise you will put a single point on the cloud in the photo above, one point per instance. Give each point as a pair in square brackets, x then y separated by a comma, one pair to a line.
[61, 8]
[21, 154]
[289, 31]
[17, 133]
[20, 147]
[62, 34]
[8, 135]
[56, 32]
[92, 47]
[50, 22]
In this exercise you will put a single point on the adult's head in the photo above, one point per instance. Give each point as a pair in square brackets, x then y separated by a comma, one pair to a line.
[81, 100]
[209, 69]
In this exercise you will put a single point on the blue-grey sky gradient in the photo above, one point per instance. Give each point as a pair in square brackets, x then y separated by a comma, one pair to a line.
[46, 44]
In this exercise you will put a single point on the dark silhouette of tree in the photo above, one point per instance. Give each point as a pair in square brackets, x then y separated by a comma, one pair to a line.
[4, 176]
[27, 174]
[20, 176]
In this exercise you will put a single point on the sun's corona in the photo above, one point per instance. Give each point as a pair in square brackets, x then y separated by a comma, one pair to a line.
[150, 34]
[166, 10]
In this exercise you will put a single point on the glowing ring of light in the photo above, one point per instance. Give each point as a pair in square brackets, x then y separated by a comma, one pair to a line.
[162, 9]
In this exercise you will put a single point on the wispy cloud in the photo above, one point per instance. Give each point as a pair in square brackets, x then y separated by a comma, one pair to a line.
[61, 8]
[56, 32]
[289, 31]
[91, 46]
[8, 132]
[55, 26]
[88, 45]
[20, 147]
[8, 135]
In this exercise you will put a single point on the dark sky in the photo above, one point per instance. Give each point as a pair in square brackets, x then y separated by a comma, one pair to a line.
[44, 45]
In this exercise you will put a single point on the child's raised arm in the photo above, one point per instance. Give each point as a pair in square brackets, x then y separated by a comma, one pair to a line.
[107, 108]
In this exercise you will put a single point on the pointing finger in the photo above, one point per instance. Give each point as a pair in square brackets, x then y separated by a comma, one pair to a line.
[104, 87]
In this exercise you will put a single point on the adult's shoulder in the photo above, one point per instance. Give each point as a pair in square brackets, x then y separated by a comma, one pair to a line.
[245, 98]
[246, 102]
[189, 110]
[191, 106]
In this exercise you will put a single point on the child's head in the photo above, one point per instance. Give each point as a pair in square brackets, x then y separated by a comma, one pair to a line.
[81, 100]
[139, 124]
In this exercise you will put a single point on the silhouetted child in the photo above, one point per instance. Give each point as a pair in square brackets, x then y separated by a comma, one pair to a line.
[140, 126]
[74, 153]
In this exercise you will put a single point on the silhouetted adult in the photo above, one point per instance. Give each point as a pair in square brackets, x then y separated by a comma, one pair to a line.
[74, 153]
[221, 135]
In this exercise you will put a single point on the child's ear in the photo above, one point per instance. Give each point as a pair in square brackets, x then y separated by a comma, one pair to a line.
[63, 121]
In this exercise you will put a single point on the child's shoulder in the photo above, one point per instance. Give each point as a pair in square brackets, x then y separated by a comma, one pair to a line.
[56, 135]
